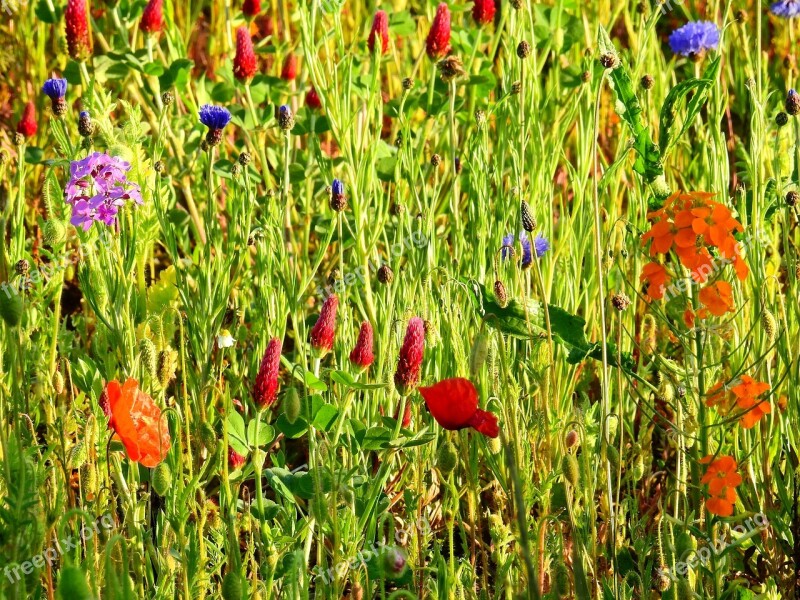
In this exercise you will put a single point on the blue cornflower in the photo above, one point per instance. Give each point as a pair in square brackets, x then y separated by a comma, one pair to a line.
[55, 88]
[786, 9]
[694, 38]
[337, 200]
[541, 245]
[84, 114]
[527, 255]
[792, 103]
[508, 245]
[214, 117]
[337, 188]
[285, 117]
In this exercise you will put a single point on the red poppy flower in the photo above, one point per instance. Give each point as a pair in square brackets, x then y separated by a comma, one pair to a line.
[454, 405]
[138, 422]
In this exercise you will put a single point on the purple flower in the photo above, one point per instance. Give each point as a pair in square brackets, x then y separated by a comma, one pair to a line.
[214, 117]
[694, 38]
[541, 245]
[786, 9]
[527, 257]
[337, 188]
[508, 245]
[55, 88]
[98, 188]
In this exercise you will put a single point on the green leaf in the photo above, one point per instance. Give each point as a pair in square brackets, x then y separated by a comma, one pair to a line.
[291, 430]
[345, 379]
[376, 438]
[177, 75]
[237, 436]
[265, 433]
[45, 15]
[325, 417]
[630, 110]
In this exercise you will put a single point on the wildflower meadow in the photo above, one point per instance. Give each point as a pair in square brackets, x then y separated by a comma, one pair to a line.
[399, 299]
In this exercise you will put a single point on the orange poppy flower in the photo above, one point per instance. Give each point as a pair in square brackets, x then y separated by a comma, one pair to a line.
[138, 422]
[717, 299]
[747, 392]
[656, 275]
[688, 318]
[715, 396]
[722, 479]
[663, 236]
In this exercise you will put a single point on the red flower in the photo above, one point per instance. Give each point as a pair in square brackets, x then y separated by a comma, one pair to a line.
[251, 7]
[235, 460]
[27, 124]
[152, 17]
[324, 329]
[380, 28]
[362, 355]
[312, 99]
[406, 377]
[483, 11]
[266, 387]
[289, 70]
[438, 43]
[138, 422]
[76, 21]
[454, 405]
[244, 63]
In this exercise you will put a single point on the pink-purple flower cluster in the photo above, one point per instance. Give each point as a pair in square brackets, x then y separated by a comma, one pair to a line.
[97, 188]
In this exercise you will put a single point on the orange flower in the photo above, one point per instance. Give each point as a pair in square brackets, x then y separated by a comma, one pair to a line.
[747, 392]
[663, 235]
[688, 318]
[722, 479]
[138, 422]
[656, 275]
[715, 396]
[717, 299]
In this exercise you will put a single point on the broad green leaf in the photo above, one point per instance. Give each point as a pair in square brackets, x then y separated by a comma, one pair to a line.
[237, 436]
[265, 433]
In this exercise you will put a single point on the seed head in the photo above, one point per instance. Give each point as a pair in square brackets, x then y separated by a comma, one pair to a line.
[528, 221]
[408, 83]
[647, 82]
[451, 68]
[167, 98]
[244, 159]
[436, 160]
[793, 103]
[385, 274]
[609, 60]
[500, 293]
[781, 119]
[523, 50]
[792, 197]
[620, 301]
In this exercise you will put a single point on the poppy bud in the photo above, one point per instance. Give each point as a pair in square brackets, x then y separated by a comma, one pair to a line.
[612, 454]
[251, 8]
[10, 306]
[437, 44]
[76, 20]
[561, 583]
[167, 365]
[648, 335]
[380, 29]
[88, 475]
[769, 324]
[324, 330]
[77, 455]
[483, 11]
[454, 405]
[447, 458]
[289, 70]
[571, 439]
[406, 376]
[684, 590]
[232, 586]
[569, 466]
[292, 405]
[152, 17]
[244, 63]
[27, 125]
[72, 584]
[362, 355]
[394, 562]
[208, 436]
[58, 382]
[147, 354]
[162, 479]
[312, 99]
[266, 386]
[478, 354]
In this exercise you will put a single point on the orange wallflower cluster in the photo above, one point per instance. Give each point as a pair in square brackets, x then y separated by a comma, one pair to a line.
[690, 224]
[745, 396]
[722, 479]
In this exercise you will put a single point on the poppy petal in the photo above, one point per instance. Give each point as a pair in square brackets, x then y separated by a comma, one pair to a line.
[452, 402]
[485, 423]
